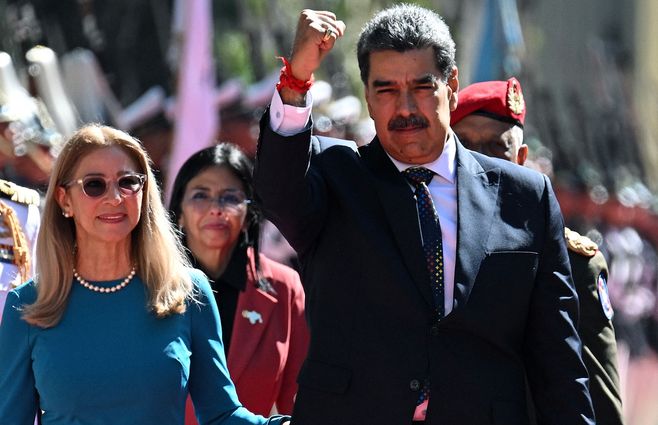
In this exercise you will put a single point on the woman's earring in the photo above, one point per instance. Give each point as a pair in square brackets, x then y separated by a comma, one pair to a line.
[66, 214]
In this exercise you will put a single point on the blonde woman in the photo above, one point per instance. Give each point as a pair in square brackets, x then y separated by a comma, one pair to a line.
[115, 328]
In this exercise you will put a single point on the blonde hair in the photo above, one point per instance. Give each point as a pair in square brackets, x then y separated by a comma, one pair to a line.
[161, 261]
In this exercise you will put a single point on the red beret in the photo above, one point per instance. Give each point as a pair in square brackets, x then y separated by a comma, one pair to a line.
[501, 100]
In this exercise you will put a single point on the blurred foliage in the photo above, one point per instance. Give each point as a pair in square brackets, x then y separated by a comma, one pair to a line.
[250, 34]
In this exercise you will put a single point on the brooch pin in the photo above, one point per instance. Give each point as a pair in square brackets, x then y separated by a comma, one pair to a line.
[253, 316]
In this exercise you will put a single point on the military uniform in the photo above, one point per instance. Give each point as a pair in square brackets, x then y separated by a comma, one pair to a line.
[503, 101]
[19, 225]
[590, 275]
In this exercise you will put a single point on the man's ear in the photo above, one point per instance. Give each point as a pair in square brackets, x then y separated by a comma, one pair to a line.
[367, 97]
[522, 155]
[453, 85]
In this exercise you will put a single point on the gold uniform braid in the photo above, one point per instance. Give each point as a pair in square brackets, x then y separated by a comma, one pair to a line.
[21, 249]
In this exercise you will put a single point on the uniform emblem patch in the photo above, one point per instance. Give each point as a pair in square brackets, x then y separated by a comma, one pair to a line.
[604, 298]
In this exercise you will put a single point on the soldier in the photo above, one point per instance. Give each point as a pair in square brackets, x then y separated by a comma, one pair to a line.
[19, 225]
[21, 137]
[489, 119]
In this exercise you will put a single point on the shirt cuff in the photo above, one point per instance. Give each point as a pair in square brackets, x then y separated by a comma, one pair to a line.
[288, 120]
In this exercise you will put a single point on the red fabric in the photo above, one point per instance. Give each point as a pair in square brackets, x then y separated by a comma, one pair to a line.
[286, 79]
[190, 419]
[264, 358]
[502, 98]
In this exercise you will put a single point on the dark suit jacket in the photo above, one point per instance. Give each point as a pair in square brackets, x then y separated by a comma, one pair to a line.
[352, 218]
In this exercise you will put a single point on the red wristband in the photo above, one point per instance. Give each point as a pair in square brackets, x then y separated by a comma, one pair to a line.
[286, 79]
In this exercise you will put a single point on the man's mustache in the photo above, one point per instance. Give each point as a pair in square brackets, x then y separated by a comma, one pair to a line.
[412, 121]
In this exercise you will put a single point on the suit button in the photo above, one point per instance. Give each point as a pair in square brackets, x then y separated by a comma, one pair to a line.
[414, 385]
[434, 330]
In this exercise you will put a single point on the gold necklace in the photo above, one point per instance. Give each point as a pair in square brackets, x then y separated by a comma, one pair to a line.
[95, 288]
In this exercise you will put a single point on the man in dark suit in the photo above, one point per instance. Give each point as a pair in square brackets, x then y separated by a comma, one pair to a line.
[429, 300]
[486, 121]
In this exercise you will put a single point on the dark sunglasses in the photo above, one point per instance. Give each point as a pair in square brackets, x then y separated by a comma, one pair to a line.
[97, 186]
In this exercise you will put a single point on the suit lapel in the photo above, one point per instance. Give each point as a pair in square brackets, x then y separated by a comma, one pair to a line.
[399, 208]
[252, 316]
[477, 197]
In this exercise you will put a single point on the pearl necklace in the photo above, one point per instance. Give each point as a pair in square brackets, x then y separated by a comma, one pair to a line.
[95, 288]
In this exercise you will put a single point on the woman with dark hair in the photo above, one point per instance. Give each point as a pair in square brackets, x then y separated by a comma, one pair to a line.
[261, 302]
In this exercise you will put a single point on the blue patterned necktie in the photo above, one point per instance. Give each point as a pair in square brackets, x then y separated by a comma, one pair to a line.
[430, 228]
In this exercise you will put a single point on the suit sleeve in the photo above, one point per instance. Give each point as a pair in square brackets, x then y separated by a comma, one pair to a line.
[299, 339]
[291, 192]
[18, 395]
[212, 391]
[556, 373]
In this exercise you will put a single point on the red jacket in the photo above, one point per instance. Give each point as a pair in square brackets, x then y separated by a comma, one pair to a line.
[268, 342]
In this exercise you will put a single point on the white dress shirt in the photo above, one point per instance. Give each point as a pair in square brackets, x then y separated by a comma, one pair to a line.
[443, 189]
[288, 120]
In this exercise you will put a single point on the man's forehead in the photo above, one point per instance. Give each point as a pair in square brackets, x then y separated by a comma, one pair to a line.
[408, 65]
[427, 78]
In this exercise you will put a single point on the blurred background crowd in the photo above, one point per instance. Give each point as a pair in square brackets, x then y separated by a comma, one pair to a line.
[180, 75]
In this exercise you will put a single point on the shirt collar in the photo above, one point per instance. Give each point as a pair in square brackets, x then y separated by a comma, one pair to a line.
[443, 166]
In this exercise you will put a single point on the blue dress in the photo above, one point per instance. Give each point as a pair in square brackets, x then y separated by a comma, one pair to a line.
[111, 361]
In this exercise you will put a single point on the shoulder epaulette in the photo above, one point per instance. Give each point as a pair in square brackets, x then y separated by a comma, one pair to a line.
[580, 244]
[20, 194]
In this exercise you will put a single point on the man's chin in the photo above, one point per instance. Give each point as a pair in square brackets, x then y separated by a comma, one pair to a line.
[416, 156]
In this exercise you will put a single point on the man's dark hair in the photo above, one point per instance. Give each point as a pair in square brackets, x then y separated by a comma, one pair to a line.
[406, 27]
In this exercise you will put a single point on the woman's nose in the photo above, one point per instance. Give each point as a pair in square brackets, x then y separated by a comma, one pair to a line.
[114, 194]
[215, 207]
